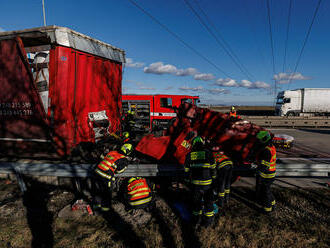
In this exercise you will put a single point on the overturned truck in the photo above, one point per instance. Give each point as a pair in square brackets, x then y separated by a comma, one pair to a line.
[59, 88]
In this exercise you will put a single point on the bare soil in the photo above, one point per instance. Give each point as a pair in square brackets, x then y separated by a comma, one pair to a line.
[300, 220]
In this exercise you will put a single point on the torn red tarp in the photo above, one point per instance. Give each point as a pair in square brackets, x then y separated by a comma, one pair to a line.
[234, 136]
[153, 146]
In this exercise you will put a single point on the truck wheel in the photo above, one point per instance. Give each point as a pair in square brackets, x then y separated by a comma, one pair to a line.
[290, 114]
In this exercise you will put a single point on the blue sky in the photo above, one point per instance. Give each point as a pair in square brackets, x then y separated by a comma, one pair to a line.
[158, 63]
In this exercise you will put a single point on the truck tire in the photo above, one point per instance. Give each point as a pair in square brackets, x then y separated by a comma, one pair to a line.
[291, 114]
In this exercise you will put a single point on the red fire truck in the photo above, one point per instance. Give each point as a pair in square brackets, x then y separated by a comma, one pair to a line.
[155, 110]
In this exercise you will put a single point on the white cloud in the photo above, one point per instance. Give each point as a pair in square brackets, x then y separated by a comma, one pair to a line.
[204, 76]
[226, 82]
[261, 85]
[284, 78]
[214, 91]
[2, 30]
[246, 84]
[131, 63]
[199, 88]
[186, 72]
[160, 68]
[229, 82]
[217, 91]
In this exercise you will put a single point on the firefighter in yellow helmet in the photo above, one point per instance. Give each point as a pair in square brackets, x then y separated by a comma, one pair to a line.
[266, 170]
[115, 162]
[232, 112]
[199, 173]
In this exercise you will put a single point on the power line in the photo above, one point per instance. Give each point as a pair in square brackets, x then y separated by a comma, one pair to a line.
[223, 44]
[271, 42]
[287, 35]
[305, 41]
[179, 38]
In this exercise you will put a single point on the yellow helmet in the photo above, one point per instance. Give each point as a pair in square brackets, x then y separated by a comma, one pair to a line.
[127, 148]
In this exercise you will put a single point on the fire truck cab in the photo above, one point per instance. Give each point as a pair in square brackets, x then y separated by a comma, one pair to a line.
[155, 111]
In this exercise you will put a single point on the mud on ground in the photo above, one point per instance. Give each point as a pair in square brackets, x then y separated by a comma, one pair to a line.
[301, 220]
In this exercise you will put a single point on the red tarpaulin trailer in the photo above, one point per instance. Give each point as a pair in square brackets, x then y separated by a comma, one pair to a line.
[58, 84]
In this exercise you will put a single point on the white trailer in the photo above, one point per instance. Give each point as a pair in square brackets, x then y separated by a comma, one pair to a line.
[310, 101]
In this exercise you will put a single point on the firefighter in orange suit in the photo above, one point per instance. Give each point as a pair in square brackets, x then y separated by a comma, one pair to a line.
[232, 112]
[115, 162]
[266, 170]
[138, 193]
[224, 167]
[199, 173]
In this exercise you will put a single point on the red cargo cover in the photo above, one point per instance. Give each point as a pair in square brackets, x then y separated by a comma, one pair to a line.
[81, 84]
[234, 136]
[22, 117]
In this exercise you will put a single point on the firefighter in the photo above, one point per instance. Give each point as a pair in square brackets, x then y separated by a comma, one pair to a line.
[138, 194]
[224, 167]
[199, 170]
[232, 112]
[115, 162]
[266, 170]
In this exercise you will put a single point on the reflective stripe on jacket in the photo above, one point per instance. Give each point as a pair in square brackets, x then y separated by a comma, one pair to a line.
[200, 167]
[221, 160]
[138, 191]
[107, 167]
[267, 167]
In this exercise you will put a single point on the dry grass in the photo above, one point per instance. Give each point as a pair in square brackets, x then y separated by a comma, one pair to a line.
[301, 220]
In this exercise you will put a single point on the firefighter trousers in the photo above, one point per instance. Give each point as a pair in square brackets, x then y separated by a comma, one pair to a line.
[264, 194]
[224, 181]
[101, 193]
[203, 195]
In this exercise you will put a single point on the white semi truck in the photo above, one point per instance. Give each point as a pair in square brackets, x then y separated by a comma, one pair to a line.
[306, 101]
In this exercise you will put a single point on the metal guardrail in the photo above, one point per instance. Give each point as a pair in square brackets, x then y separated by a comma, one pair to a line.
[293, 122]
[149, 170]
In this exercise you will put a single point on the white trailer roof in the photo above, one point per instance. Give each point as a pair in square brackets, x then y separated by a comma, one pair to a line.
[66, 37]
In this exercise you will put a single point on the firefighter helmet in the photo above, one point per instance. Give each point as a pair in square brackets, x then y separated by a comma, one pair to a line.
[126, 149]
[126, 135]
[264, 137]
[197, 141]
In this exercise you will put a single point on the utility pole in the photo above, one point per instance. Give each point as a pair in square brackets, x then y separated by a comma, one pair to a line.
[43, 10]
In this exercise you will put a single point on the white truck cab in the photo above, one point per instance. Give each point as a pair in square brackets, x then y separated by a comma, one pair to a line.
[288, 103]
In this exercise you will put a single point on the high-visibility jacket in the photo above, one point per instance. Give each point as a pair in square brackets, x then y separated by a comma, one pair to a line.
[113, 162]
[200, 167]
[138, 192]
[266, 161]
[221, 160]
[232, 114]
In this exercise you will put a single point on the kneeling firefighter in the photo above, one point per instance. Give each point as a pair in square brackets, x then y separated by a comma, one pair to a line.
[138, 193]
[199, 173]
[115, 162]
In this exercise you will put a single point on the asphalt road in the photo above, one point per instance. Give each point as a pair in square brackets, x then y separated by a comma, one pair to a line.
[308, 144]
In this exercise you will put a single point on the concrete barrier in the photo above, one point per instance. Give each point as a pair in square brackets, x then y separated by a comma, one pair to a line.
[292, 122]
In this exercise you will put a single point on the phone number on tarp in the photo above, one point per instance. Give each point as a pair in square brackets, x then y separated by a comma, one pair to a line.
[16, 112]
[15, 105]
